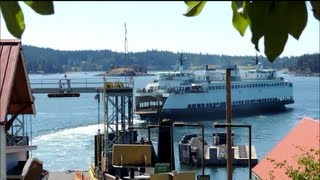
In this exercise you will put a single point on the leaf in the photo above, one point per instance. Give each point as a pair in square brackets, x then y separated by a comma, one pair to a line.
[239, 21]
[41, 7]
[257, 15]
[13, 17]
[194, 7]
[297, 18]
[276, 34]
[274, 21]
[316, 9]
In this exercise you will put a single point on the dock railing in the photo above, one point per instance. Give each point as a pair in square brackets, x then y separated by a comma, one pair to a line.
[89, 85]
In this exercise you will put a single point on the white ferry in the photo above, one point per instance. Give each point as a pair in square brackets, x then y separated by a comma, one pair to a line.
[183, 94]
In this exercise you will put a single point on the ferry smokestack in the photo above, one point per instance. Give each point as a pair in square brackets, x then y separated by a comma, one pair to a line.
[165, 143]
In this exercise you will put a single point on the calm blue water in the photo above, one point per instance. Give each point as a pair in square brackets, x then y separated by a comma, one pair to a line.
[63, 128]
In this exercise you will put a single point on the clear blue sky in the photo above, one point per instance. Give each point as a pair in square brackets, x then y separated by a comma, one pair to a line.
[150, 25]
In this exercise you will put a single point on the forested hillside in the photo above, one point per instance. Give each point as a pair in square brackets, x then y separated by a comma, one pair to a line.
[45, 60]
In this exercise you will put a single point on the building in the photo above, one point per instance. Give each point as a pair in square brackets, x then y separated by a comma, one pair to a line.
[303, 137]
[16, 100]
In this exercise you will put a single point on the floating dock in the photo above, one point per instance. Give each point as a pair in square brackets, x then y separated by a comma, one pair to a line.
[190, 151]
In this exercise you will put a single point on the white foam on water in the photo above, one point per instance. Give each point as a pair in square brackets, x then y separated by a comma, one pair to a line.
[68, 149]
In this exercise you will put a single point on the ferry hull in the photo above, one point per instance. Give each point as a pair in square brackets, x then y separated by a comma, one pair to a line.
[190, 114]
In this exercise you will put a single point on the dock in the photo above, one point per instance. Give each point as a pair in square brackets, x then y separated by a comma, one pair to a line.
[78, 85]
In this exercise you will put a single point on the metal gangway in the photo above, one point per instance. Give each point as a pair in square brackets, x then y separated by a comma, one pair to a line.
[79, 85]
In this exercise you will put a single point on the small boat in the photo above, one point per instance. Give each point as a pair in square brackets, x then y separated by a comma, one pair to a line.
[190, 151]
[64, 94]
[64, 91]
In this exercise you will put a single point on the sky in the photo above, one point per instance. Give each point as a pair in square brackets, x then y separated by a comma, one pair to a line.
[99, 25]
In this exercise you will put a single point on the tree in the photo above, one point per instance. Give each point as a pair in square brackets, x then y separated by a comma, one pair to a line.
[272, 20]
[308, 166]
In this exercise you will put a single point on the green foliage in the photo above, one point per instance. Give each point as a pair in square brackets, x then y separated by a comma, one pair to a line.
[194, 7]
[306, 64]
[273, 20]
[308, 166]
[41, 7]
[239, 20]
[13, 15]
[316, 9]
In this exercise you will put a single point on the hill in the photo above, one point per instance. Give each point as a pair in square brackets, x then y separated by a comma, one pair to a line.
[46, 60]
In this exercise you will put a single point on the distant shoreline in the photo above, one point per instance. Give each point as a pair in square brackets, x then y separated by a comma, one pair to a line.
[299, 73]
[123, 72]
[283, 71]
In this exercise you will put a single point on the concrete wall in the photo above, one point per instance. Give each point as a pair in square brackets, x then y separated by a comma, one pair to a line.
[3, 144]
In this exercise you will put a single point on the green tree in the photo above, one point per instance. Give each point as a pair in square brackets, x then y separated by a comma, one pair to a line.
[308, 166]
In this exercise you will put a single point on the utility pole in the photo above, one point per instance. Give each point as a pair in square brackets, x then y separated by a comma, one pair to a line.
[228, 122]
[125, 48]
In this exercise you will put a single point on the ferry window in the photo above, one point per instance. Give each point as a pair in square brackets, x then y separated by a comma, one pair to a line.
[207, 105]
[212, 87]
[198, 105]
[194, 106]
[189, 106]
[202, 105]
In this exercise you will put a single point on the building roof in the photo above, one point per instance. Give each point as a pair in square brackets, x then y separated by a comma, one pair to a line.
[15, 92]
[305, 135]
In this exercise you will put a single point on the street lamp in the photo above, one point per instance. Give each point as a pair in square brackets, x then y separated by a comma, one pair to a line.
[181, 124]
[244, 126]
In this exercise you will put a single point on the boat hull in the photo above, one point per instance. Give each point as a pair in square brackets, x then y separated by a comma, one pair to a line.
[190, 114]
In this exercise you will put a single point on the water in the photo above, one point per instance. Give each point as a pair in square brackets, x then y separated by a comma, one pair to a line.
[63, 128]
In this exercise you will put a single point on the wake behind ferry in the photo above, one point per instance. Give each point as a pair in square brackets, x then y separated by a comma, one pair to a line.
[182, 93]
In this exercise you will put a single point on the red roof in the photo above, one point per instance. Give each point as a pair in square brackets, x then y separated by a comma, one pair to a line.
[15, 92]
[305, 135]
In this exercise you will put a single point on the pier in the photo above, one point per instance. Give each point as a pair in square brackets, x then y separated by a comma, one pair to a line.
[79, 85]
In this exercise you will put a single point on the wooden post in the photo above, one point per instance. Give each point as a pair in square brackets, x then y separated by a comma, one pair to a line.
[228, 122]
[3, 145]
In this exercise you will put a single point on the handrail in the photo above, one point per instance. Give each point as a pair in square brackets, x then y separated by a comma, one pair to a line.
[79, 82]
